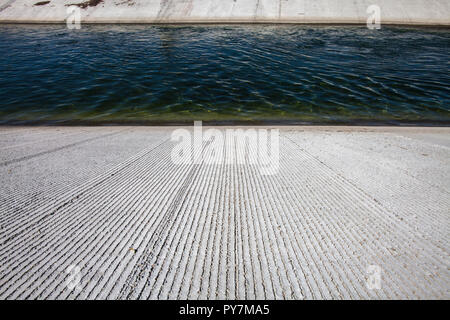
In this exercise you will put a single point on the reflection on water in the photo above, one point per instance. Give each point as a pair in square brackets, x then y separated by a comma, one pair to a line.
[224, 73]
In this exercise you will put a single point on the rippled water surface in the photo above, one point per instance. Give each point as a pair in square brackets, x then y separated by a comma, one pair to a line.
[286, 74]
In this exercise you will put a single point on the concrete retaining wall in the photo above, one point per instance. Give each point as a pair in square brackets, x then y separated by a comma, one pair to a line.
[422, 12]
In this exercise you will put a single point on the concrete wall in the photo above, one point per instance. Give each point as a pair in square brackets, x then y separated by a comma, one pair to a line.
[428, 12]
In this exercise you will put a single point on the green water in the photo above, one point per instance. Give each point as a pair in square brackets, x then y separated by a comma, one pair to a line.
[224, 74]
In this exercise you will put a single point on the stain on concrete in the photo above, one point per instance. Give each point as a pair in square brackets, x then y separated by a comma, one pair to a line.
[41, 3]
[84, 5]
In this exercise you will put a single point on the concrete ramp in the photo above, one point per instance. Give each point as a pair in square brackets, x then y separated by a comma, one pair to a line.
[414, 12]
[104, 213]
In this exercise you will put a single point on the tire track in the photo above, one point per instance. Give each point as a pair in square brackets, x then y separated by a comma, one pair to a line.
[28, 157]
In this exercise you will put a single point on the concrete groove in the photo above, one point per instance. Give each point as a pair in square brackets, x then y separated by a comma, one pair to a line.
[206, 272]
[63, 231]
[159, 201]
[27, 157]
[429, 216]
[199, 266]
[126, 224]
[286, 293]
[438, 262]
[15, 244]
[18, 197]
[412, 176]
[342, 249]
[161, 229]
[147, 228]
[72, 196]
[293, 281]
[190, 291]
[37, 141]
[287, 224]
[145, 259]
[171, 292]
[355, 241]
[18, 203]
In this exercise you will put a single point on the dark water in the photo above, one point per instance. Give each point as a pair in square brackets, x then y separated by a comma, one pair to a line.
[153, 74]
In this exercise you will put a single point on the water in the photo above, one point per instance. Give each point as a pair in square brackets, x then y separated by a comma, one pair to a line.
[223, 74]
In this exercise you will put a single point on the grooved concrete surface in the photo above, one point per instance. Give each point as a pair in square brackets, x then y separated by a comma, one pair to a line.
[109, 201]
[428, 12]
